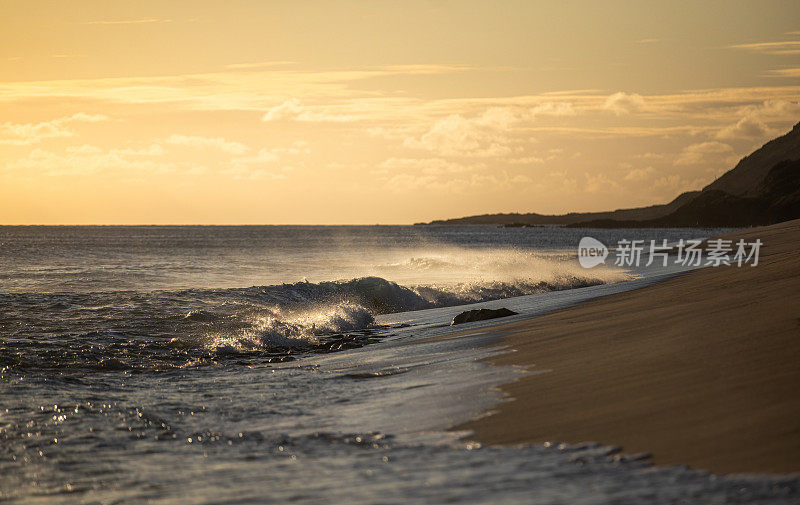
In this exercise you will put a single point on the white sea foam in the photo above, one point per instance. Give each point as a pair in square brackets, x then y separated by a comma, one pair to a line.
[293, 316]
[457, 265]
[284, 330]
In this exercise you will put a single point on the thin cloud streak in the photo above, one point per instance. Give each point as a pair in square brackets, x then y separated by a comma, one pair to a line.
[128, 21]
[783, 72]
[259, 64]
[777, 48]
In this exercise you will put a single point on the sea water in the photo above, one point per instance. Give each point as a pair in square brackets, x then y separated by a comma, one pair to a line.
[294, 364]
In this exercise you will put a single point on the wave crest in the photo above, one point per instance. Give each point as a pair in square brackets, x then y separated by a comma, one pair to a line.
[287, 332]
[167, 329]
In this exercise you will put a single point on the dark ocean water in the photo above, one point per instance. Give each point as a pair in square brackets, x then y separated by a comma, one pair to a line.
[282, 363]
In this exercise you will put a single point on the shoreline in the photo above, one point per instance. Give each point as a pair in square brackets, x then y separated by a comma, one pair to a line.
[702, 369]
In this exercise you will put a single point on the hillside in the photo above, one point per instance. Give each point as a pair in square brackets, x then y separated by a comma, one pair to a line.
[751, 169]
[533, 219]
[761, 189]
[775, 199]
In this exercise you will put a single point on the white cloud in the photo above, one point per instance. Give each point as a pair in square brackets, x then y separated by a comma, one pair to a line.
[702, 152]
[497, 117]
[263, 156]
[32, 133]
[297, 147]
[84, 149]
[288, 109]
[753, 120]
[208, 142]
[784, 72]
[527, 160]
[773, 109]
[293, 110]
[151, 150]
[455, 135]
[255, 174]
[674, 184]
[91, 160]
[128, 21]
[640, 174]
[553, 109]
[599, 183]
[623, 103]
[258, 64]
[747, 127]
[430, 166]
[783, 48]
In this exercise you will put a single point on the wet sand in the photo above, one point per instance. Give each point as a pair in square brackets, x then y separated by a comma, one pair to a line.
[702, 369]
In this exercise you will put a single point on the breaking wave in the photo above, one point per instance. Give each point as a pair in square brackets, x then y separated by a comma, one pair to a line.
[124, 330]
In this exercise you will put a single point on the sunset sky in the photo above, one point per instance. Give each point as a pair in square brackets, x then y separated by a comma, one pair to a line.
[245, 112]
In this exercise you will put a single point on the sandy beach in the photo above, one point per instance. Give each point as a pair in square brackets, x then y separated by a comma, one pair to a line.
[702, 369]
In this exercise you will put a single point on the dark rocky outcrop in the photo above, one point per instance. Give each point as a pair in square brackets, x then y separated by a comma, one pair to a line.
[481, 315]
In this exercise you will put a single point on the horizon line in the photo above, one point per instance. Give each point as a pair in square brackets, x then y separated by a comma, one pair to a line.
[206, 224]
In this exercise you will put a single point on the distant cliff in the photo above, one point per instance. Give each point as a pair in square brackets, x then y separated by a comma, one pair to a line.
[743, 179]
[761, 189]
[532, 219]
[775, 199]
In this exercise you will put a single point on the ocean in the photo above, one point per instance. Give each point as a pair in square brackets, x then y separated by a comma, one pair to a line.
[277, 364]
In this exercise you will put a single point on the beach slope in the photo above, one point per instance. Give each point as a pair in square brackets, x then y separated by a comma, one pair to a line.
[702, 369]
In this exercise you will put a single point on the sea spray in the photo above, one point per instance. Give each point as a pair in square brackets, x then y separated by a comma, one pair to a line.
[168, 329]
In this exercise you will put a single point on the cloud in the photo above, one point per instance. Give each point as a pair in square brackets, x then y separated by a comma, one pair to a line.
[599, 183]
[337, 96]
[151, 150]
[490, 133]
[32, 133]
[527, 160]
[288, 109]
[261, 157]
[673, 184]
[456, 135]
[253, 174]
[623, 103]
[128, 21]
[207, 142]
[640, 174]
[747, 127]
[428, 166]
[752, 121]
[293, 110]
[787, 47]
[701, 152]
[91, 160]
[553, 109]
[466, 184]
[784, 72]
[297, 147]
[773, 109]
[263, 164]
[258, 64]
[648, 41]
[425, 69]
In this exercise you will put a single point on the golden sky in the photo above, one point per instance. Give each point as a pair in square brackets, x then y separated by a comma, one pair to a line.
[323, 112]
